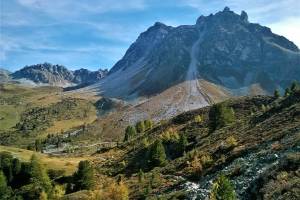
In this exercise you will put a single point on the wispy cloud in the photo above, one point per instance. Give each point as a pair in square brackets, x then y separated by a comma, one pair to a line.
[59, 8]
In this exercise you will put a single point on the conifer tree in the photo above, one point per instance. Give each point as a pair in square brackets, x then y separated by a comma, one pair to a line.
[84, 176]
[222, 189]
[183, 142]
[130, 132]
[140, 127]
[148, 124]
[39, 176]
[276, 94]
[157, 154]
[294, 86]
[4, 190]
[287, 92]
[141, 176]
[221, 115]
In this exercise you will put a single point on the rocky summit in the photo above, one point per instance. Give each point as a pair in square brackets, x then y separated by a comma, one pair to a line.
[57, 75]
[224, 49]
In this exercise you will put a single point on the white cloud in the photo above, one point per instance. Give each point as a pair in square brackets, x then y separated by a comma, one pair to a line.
[290, 28]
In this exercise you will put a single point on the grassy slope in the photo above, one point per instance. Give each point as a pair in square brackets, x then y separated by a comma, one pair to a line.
[68, 164]
[264, 139]
[17, 99]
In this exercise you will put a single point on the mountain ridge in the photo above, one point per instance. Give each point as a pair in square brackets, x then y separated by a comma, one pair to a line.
[57, 75]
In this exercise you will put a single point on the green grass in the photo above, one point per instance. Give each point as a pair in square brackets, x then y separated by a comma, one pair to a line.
[69, 164]
[9, 116]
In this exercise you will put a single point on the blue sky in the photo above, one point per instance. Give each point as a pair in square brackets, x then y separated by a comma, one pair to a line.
[96, 33]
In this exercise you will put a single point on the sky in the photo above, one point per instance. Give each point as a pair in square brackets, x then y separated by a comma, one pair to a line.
[95, 34]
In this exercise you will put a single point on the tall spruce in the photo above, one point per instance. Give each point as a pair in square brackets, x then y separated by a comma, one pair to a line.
[84, 176]
[39, 176]
[276, 94]
[222, 189]
[130, 132]
[157, 154]
[221, 115]
[140, 127]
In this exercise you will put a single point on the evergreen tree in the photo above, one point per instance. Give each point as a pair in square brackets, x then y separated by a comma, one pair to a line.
[140, 127]
[84, 177]
[130, 132]
[148, 124]
[39, 176]
[4, 189]
[38, 145]
[183, 142]
[222, 189]
[16, 166]
[287, 92]
[141, 176]
[43, 196]
[157, 154]
[263, 108]
[221, 115]
[294, 86]
[276, 94]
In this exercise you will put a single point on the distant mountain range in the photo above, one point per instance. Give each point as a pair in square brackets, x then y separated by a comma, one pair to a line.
[55, 75]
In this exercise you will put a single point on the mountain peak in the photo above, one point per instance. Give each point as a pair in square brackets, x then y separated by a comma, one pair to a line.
[159, 24]
[244, 16]
[226, 9]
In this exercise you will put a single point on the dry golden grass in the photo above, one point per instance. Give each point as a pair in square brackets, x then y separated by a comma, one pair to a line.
[64, 125]
[49, 162]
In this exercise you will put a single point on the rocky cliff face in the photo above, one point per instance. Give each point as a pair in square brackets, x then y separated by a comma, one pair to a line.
[58, 75]
[85, 76]
[223, 48]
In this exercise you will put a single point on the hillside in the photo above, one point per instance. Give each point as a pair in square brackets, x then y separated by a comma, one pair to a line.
[252, 141]
[258, 151]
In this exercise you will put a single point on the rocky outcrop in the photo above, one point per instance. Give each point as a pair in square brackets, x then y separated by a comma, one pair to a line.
[58, 75]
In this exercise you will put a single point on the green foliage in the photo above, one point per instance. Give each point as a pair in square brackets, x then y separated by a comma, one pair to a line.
[263, 108]
[16, 166]
[287, 92]
[39, 177]
[40, 118]
[155, 180]
[183, 142]
[157, 154]
[221, 115]
[54, 174]
[140, 127]
[38, 145]
[43, 196]
[84, 176]
[276, 94]
[130, 132]
[4, 189]
[198, 119]
[148, 124]
[222, 189]
[295, 86]
[141, 176]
